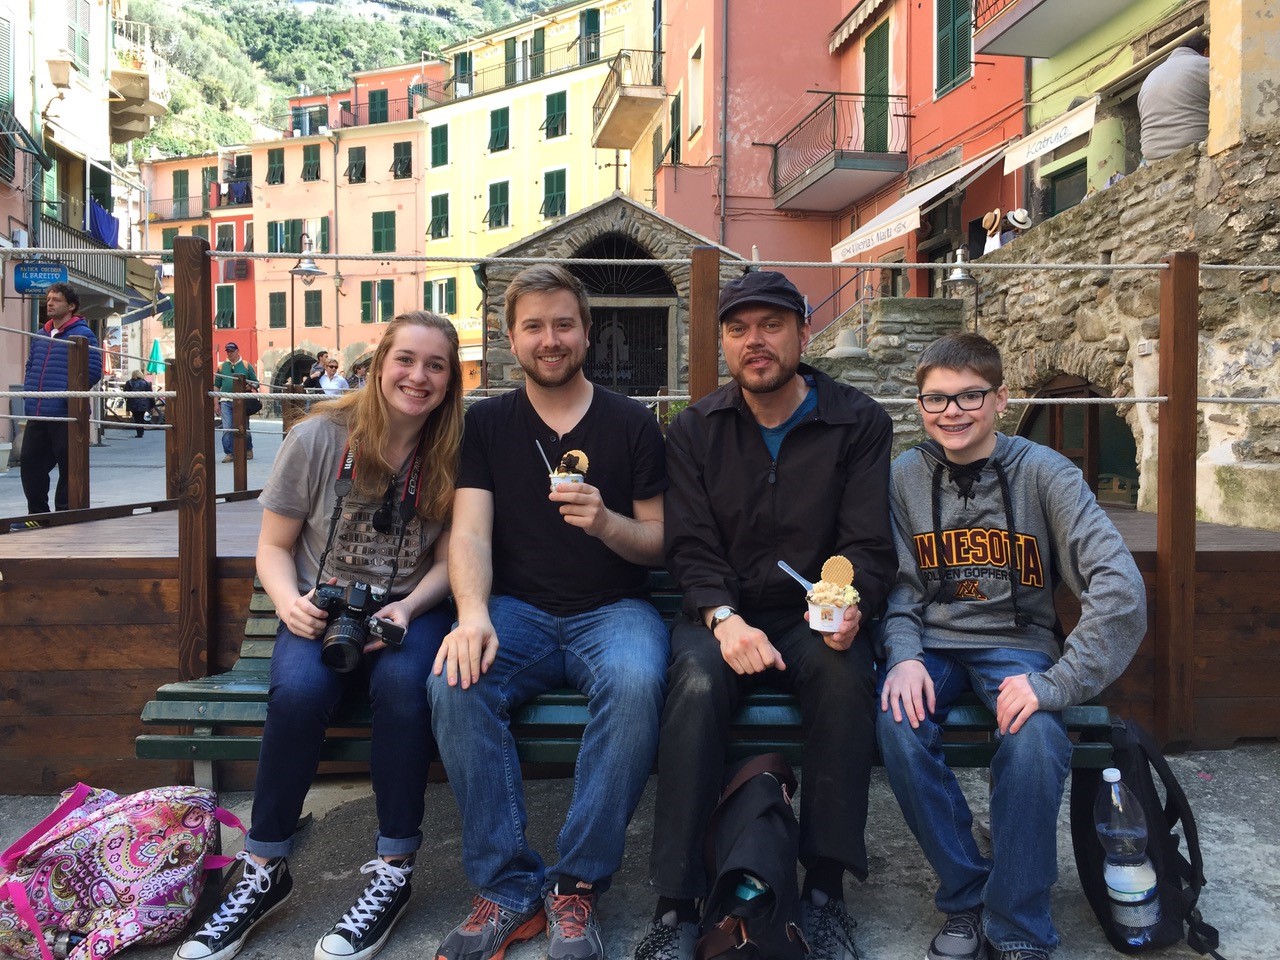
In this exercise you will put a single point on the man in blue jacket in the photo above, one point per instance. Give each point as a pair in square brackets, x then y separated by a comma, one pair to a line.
[44, 442]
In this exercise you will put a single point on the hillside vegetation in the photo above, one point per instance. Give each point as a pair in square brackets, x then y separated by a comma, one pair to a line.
[232, 63]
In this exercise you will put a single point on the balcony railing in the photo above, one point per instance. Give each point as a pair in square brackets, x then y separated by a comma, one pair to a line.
[101, 268]
[179, 208]
[841, 123]
[987, 10]
[630, 68]
[134, 50]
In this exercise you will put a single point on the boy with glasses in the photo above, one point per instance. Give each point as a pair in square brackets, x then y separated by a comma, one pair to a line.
[986, 526]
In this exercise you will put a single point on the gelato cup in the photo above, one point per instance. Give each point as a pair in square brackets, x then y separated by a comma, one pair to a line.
[825, 617]
[559, 480]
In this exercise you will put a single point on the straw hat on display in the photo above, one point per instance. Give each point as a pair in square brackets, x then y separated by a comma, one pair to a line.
[991, 222]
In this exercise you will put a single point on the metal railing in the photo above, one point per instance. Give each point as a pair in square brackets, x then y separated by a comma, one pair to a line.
[107, 267]
[842, 122]
[133, 49]
[630, 68]
[178, 208]
[987, 10]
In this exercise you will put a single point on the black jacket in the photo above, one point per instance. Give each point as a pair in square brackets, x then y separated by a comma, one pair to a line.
[138, 404]
[732, 512]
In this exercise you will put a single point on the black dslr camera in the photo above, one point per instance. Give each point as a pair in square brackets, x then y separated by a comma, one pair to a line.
[354, 625]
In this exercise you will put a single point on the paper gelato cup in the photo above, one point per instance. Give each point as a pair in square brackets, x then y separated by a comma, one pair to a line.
[559, 480]
[825, 617]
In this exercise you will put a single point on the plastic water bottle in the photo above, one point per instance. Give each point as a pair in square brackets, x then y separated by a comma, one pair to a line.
[1130, 878]
[750, 887]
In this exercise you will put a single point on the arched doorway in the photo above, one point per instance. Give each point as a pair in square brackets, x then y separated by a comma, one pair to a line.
[293, 369]
[1093, 436]
[632, 314]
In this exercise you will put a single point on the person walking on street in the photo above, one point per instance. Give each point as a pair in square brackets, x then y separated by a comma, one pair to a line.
[225, 382]
[138, 407]
[44, 443]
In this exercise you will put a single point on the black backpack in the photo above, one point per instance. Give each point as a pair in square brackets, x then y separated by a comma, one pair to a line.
[753, 830]
[1179, 877]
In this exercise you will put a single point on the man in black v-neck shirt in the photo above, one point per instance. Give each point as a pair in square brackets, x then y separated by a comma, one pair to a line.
[551, 592]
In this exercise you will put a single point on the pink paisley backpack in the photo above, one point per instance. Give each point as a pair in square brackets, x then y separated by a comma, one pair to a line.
[103, 872]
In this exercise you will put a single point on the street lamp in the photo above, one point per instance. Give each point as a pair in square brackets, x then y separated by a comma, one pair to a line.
[961, 278]
[306, 269]
[338, 278]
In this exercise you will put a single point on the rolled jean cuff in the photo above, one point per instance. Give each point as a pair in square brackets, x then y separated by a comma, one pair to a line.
[270, 850]
[391, 847]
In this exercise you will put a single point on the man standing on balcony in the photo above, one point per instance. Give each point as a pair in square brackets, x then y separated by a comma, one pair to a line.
[44, 443]
[225, 382]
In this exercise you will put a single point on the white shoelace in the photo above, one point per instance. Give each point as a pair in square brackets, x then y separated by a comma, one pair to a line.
[376, 896]
[255, 880]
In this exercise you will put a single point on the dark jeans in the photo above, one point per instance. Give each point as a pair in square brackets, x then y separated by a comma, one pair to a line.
[304, 693]
[837, 702]
[139, 418]
[44, 446]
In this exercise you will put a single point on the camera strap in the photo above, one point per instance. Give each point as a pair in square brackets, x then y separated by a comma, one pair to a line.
[408, 505]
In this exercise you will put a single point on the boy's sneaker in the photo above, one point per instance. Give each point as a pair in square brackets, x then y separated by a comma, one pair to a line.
[572, 927]
[364, 928]
[259, 891]
[828, 928]
[18, 526]
[960, 938]
[1022, 953]
[489, 930]
[668, 939]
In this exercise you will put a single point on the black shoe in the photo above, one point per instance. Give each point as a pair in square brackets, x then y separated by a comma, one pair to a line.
[364, 928]
[828, 928]
[960, 938]
[668, 939]
[1021, 953]
[260, 890]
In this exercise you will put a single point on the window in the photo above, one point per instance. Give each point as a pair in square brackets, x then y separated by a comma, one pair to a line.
[224, 317]
[311, 162]
[78, 33]
[589, 36]
[275, 165]
[355, 165]
[556, 123]
[955, 29]
[695, 90]
[659, 147]
[384, 231]
[509, 61]
[201, 230]
[208, 177]
[226, 236]
[538, 61]
[377, 106]
[675, 129]
[377, 301]
[499, 209]
[167, 236]
[553, 200]
[312, 308]
[439, 216]
[181, 204]
[317, 230]
[285, 236]
[402, 160]
[441, 296]
[875, 109]
[463, 75]
[499, 129]
[440, 145]
[248, 236]
[243, 170]
[275, 311]
[293, 236]
[1067, 187]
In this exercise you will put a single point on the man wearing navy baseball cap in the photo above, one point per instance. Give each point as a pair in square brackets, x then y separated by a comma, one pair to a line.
[781, 463]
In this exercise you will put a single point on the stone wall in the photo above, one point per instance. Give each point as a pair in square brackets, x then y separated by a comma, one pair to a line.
[1104, 325]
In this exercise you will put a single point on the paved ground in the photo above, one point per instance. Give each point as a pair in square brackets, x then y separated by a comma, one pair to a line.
[1232, 791]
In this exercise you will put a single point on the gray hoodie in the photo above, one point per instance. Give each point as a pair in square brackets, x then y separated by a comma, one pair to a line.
[960, 586]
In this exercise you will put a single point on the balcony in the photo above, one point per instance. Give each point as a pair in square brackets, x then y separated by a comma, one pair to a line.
[631, 97]
[139, 85]
[234, 192]
[194, 207]
[1037, 28]
[105, 271]
[850, 145]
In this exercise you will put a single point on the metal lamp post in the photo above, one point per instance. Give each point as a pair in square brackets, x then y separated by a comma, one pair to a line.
[306, 269]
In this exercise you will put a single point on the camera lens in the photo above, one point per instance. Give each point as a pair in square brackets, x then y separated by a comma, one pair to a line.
[343, 644]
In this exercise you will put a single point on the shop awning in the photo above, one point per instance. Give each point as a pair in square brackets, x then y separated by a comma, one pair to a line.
[856, 18]
[1047, 137]
[904, 215]
[473, 354]
[10, 127]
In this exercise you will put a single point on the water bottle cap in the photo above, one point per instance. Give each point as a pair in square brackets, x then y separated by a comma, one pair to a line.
[1111, 775]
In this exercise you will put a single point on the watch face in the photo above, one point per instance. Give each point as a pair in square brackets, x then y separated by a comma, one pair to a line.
[721, 614]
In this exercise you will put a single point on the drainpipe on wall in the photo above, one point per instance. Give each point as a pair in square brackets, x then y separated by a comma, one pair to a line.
[724, 115]
[335, 247]
[483, 283]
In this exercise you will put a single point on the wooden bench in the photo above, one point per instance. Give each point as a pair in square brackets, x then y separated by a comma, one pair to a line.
[221, 717]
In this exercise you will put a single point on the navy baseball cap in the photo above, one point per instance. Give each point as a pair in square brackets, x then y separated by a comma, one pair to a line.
[760, 286]
[232, 346]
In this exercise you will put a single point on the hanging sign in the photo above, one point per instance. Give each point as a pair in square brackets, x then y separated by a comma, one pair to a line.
[36, 276]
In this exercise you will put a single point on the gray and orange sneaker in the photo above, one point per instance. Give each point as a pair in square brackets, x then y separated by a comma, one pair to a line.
[488, 930]
[572, 927]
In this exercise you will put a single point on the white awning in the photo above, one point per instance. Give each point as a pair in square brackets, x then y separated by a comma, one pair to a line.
[856, 18]
[1050, 136]
[904, 216]
[471, 354]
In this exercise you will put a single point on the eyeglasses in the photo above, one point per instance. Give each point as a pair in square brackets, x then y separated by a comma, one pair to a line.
[332, 366]
[968, 400]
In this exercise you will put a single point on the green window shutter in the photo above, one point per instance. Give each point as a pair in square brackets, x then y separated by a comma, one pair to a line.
[498, 214]
[555, 124]
[439, 216]
[386, 300]
[539, 55]
[499, 129]
[273, 236]
[451, 295]
[553, 194]
[275, 165]
[955, 26]
[462, 74]
[440, 145]
[589, 36]
[676, 131]
[509, 61]
[293, 236]
[402, 160]
[167, 236]
[426, 295]
[355, 165]
[224, 317]
[313, 308]
[275, 311]
[200, 230]
[377, 106]
[962, 38]
[6, 65]
[659, 147]
[208, 177]
[384, 231]
[181, 186]
[322, 245]
[78, 33]
[311, 162]
[366, 301]
[875, 119]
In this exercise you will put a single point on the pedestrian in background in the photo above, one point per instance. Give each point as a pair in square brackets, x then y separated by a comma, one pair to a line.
[331, 382]
[138, 407]
[225, 382]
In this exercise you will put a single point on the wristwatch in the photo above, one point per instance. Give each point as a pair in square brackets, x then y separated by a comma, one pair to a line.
[719, 615]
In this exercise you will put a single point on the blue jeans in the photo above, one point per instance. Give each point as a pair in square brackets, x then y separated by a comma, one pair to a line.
[228, 438]
[304, 693]
[617, 656]
[1029, 771]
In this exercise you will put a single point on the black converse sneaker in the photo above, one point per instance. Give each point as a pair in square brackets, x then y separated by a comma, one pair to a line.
[259, 891]
[364, 928]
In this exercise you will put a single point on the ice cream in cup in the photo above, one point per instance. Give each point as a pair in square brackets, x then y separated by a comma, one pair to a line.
[832, 595]
[571, 469]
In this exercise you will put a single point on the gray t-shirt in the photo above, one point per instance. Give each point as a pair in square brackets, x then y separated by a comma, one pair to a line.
[301, 487]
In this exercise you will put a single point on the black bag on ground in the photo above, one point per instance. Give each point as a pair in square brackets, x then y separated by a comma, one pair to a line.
[1179, 877]
[753, 830]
